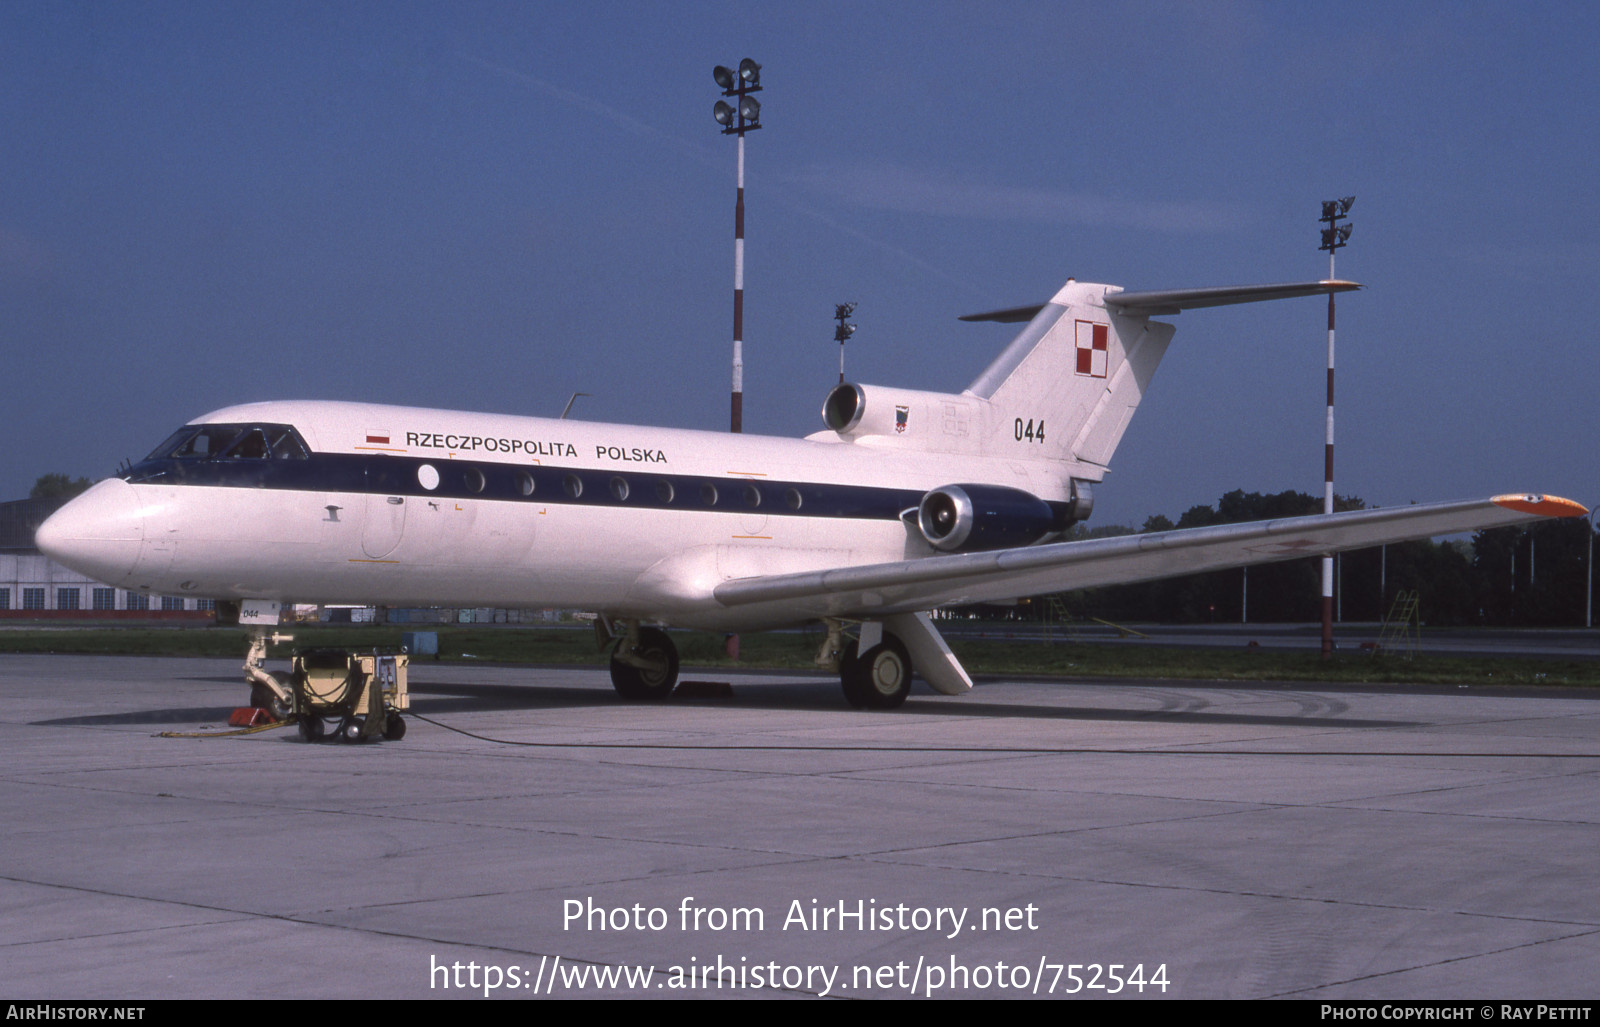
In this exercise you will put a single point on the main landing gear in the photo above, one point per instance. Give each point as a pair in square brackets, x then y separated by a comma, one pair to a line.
[644, 665]
[875, 670]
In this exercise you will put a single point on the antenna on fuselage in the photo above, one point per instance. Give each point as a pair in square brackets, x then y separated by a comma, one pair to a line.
[568, 408]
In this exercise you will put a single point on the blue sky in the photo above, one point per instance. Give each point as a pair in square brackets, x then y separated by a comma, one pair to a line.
[494, 205]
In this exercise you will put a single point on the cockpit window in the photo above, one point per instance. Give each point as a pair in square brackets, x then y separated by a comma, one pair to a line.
[286, 445]
[207, 443]
[252, 445]
[232, 442]
[170, 446]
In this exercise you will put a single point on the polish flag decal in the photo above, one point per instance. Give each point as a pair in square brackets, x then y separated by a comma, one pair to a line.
[377, 438]
[1092, 351]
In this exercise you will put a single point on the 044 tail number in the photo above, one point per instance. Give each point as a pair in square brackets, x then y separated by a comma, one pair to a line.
[1032, 431]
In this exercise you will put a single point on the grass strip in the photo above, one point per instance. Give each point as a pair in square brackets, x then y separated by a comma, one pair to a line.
[795, 650]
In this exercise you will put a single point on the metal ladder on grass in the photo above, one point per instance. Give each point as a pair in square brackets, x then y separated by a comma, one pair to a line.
[1402, 628]
[1057, 620]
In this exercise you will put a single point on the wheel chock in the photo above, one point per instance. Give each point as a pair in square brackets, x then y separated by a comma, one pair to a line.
[251, 716]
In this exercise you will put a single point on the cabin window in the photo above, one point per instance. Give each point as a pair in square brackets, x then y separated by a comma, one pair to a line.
[708, 494]
[525, 483]
[664, 491]
[752, 496]
[428, 477]
[573, 485]
[619, 488]
[792, 497]
[473, 479]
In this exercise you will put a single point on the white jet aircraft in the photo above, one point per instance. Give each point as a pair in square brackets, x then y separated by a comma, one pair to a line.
[907, 502]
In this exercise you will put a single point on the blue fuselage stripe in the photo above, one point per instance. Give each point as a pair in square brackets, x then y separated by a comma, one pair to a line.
[398, 476]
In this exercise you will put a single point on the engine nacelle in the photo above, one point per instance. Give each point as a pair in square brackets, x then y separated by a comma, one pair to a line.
[957, 518]
[906, 418]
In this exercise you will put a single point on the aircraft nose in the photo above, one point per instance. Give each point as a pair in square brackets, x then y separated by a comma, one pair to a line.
[98, 533]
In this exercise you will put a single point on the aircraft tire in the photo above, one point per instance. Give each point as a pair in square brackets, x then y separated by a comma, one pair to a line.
[280, 708]
[639, 684]
[265, 698]
[849, 678]
[394, 727]
[879, 678]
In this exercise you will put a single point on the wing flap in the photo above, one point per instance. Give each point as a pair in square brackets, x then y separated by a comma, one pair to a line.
[878, 590]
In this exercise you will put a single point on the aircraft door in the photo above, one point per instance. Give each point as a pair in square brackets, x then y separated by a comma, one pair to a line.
[385, 519]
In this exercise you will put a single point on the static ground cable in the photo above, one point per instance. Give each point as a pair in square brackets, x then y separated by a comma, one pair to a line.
[1001, 750]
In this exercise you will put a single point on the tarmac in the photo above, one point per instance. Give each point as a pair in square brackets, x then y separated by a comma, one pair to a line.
[1068, 839]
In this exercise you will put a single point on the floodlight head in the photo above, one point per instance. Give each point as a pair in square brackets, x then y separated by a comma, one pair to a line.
[750, 71]
[1344, 233]
[723, 75]
[1345, 204]
[723, 112]
[843, 310]
[749, 108]
[1330, 210]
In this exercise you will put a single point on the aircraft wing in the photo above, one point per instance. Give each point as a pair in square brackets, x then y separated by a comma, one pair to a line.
[876, 590]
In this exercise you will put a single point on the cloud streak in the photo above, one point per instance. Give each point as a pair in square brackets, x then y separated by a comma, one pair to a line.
[905, 190]
[704, 156]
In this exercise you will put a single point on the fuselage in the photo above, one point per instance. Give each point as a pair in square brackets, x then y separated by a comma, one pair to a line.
[339, 502]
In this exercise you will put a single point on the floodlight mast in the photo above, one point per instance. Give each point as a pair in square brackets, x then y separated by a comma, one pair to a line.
[1333, 237]
[736, 119]
[841, 313]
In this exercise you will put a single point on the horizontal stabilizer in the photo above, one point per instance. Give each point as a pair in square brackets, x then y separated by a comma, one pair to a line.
[1171, 301]
[1008, 316]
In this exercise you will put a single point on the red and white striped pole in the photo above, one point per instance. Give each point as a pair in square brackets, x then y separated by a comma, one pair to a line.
[1333, 237]
[736, 119]
[1327, 490]
[737, 420]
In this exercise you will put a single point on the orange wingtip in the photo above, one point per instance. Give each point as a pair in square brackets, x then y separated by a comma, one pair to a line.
[1542, 506]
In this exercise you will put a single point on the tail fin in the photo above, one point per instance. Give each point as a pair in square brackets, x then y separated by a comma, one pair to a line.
[1070, 382]
[1072, 379]
[1064, 389]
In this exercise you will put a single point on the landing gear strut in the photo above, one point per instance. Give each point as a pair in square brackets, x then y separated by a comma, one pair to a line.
[644, 665]
[268, 690]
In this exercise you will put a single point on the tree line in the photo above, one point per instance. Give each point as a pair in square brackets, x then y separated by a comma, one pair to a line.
[1533, 575]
